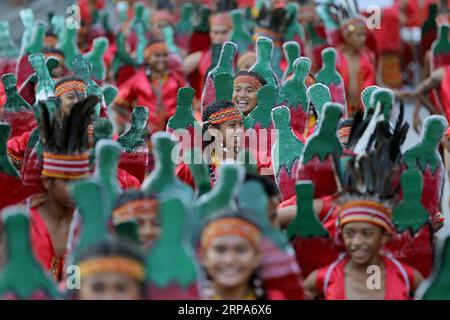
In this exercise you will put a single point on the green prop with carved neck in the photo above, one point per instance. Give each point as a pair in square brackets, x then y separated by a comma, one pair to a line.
[240, 34]
[22, 275]
[134, 138]
[441, 48]
[94, 89]
[7, 47]
[69, 46]
[305, 223]
[199, 170]
[37, 41]
[262, 66]
[223, 84]
[82, 68]
[410, 214]
[183, 117]
[122, 57]
[319, 95]
[436, 287]
[295, 29]
[141, 43]
[293, 91]
[172, 259]
[109, 93]
[138, 16]
[58, 23]
[185, 24]
[170, 40]
[122, 8]
[95, 58]
[222, 196]
[45, 85]
[203, 23]
[14, 101]
[128, 230]
[162, 180]
[27, 18]
[262, 114]
[291, 51]
[426, 152]
[6, 166]
[366, 94]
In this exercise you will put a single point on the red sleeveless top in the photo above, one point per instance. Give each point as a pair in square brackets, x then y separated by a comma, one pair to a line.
[330, 280]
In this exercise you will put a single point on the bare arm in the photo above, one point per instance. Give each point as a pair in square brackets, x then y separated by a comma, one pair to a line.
[418, 278]
[191, 62]
[287, 214]
[311, 291]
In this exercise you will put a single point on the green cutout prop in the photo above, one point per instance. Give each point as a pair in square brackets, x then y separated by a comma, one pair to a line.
[69, 46]
[27, 18]
[122, 57]
[134, 138]
[305, 224]
[240, 34]
[385, 98]
[169, 38]
[246, 158]
[294, 31]
[223, 84]
[263, 66]
[22, 277]
[128, 230]
[171, 264]
[410, 214]
[260, 117]
[82, 68]
[366, 94]
[7, 47]
[183, 117]
[441, 48]
[6, 167]
[185, 25]
[222, 196]
[110, 93]
[291, 51]
[329, 76]
[95, 58]
[141, 43]
[319, 95]
[37, 40]
[199, 170]
[45, 85]
[286, 153]
[94, 89]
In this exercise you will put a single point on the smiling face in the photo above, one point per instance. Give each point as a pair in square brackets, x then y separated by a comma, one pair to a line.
[245, 97]
[149, 229]
[159, 61]
[231, 261]
[363, 241]
[69, 98]
[232, 133]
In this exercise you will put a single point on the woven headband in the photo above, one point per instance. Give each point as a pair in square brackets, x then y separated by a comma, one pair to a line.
[125, 266]
[70, 167]
[230, 226]
[366, 211]
[224, 115]
[69, 86]
[134, 209]
[248, 79]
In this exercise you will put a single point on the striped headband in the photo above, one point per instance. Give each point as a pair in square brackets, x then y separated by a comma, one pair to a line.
[224, 115]
[69, 167]
[134, 209]
[248, 79]
[69, 86]
[366, 211]
[228, 227]
[126, 266]
[344, 132]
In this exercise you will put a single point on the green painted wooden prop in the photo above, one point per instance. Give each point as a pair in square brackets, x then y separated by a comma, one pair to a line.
[325, 141]
[92, 202]
[58, 23]
[183, 117]
[110, 93]
[94, 89]
[287, 148]
[138, 16]
[22, 274]
[293, 92]
[223, 84]
[45, 85]
[172, 259]
[442, 44]
[291, 51]
[102, 130]
[37, 40]
[107, 154]
[95, 58]
[225, 63]
[122, 57]
[185, 24]
[262, 114]
[247, 158]
[141, 43]
[240, 35]
[430, 24]
[203, 23]
[14, 101]
[328, 75]
[365, 98]
[253, 198]
[169, 38]
[27, 18]
[319, 95]
[326, 16]
[8, 49]
[128, 230]
[262, 66]
[69, 46]
[222, 196]
[6, 166]
[134, 138]
[436, 287]
[122, 8]
[162, 180]
[199, 170]
[305, 224]
[384, 97]
[426, 152]
[410, 214]
[295, 29]
[82, 69]
[316, 39]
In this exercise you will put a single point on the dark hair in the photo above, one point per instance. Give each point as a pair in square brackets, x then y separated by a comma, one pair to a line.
[51, 33]
[252, 74]
[52, 50]
[242, 214]
[270, 187]
[132, 195]
[209, 110]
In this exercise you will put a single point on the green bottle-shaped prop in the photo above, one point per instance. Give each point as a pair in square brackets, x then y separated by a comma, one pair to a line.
[240, 34]
[291, 51]
[69, 46]
[7, 47]
[95, 58]
[262, 66]
[45, 85]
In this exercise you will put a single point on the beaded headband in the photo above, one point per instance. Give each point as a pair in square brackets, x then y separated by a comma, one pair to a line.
[155, 47]
[230, 226]
[133, 209]
[69, 86]
[125, 266]
[224, 115]
[248, 79]
[366, 211]
[70, 167]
